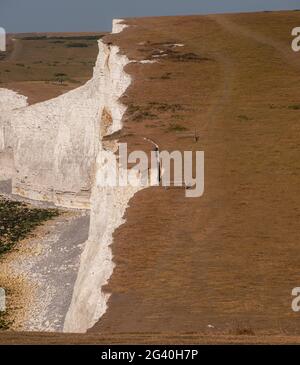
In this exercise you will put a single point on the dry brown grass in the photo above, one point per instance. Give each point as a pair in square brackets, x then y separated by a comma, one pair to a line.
[230, 258]
[32, 62]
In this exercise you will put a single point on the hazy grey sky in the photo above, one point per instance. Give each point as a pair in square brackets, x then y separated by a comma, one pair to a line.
[96, 15]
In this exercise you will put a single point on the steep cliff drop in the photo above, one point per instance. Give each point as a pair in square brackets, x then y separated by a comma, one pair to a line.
[9, 101]
[55, 143]
[108, 205]
[53, 152]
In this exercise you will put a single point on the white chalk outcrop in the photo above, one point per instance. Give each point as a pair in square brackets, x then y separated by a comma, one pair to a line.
[49, 149]
[118, 26]
[108, 205]
[53, 151]
[10, 100]
[54, 145]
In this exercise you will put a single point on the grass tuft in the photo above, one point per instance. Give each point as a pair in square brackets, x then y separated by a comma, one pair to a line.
[294, 107]
[177, 128]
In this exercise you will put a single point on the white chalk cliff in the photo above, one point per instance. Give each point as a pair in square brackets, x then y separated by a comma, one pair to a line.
[108, 205]
[53, 151]
[55, 143]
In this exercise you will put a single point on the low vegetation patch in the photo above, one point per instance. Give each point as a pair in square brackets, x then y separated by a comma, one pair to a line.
[187, 57]
[140, 112]
[62, 38]
[164, 107]
[166, 50]
[243, 117]
[4, 322]
[34, 38]
[294, 107]
[17, 221]
[57, 42]
[76, 45]
[177, 127]
[165, 76]
[61, 77]
[152, 110]
[78, 38]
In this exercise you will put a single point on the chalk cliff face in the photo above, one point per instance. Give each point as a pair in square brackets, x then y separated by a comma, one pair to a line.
[54, 146]
[50, 148]
[53, 151]
[108, 205]
[9, 101]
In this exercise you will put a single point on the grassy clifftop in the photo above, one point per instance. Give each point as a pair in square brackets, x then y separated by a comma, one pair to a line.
[43, 66]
